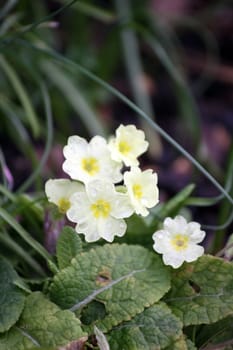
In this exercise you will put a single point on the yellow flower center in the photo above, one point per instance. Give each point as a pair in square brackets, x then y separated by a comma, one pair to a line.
[180, 242]
[137, 191]
[124, 147]
[63, 205]
[90, 165]
[101, 208]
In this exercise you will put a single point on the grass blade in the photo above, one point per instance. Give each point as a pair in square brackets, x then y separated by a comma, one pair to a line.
[22, 253]
[94, 11]
[75, 98]
[24, 234]
[22, 95]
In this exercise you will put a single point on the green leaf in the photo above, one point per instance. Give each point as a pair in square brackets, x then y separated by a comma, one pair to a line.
[15, 340]
[190, 345]
[42, 323]
[125, 278]
[182, 344]
[11, 297]
[155, 328]
[68, 246]
[202, 292]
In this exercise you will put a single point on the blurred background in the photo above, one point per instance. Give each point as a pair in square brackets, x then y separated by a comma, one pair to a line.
[173, 59]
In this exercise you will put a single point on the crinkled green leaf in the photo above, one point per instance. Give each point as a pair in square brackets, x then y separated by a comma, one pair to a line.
[42, 323]
[202, 292]
[155, 328]
[182, 344]
[125, 278]
[15, 340]
[68, 246]
[11, 296]
[190, 345]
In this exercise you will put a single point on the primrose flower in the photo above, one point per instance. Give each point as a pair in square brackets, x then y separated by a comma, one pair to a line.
[59, 192]
[88, 161]
[177, 241]
[99, 211]
[128, 145]
[142, 189]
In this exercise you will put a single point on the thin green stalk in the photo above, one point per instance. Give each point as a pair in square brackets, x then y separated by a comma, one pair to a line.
[227, 222]
[24, 234]
[206, 202]
[128, 102]
[48, 145]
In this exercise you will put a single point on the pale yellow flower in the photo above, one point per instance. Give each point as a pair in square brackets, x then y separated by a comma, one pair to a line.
[142, 189]
[99, 211]
[178, 241]
[88, 161]
[59, 192]
[128, 145]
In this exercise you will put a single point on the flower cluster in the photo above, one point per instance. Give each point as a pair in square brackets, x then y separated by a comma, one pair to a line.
[93, 198]
[100, 195]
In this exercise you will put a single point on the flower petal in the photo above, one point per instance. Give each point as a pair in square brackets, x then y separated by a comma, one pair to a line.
[193, 252]
[80, 207]
[111, 227]
[173, 260]
[121, 207]
[89, 229]
[97, 189]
